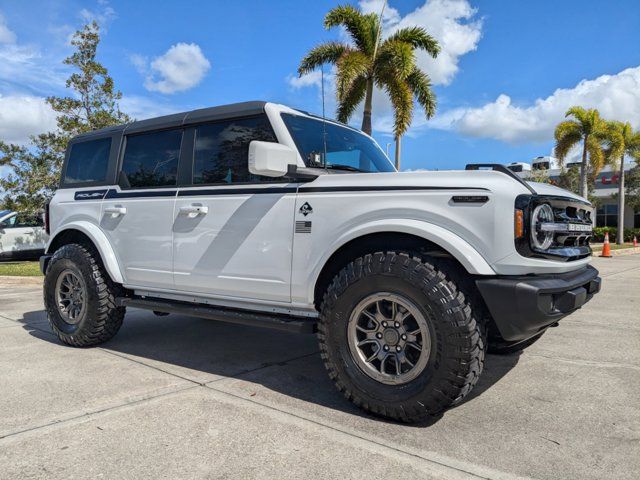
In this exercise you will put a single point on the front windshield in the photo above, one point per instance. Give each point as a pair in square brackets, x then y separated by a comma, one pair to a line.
[347, 149]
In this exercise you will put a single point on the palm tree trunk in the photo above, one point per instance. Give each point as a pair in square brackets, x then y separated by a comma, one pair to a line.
[620, 237]
[366, 115]
[398, 153]
[583, 171]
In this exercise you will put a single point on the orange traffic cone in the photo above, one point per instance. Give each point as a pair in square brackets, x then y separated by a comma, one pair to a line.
[635, 241]
[606, 249]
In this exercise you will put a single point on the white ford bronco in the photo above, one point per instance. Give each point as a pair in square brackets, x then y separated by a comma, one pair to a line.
[260, 214]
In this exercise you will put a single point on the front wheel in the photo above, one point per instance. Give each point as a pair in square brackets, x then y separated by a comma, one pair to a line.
[398, 338]
[80, 297]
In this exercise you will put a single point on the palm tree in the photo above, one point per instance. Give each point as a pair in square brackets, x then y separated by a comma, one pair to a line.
[622, 140]
[367, 63]
[586, 127]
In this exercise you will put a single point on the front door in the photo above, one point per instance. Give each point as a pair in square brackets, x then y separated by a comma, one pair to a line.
[137, 216]
[233, 231]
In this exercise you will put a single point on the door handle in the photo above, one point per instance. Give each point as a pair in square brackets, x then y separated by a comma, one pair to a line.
[194, 210]
[115, 211]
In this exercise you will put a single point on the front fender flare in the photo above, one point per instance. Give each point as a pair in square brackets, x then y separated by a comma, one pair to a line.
[101, 242]
[459, 248]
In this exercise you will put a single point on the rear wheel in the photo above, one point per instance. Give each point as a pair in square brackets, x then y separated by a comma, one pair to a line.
[398, 338]
[80, 298]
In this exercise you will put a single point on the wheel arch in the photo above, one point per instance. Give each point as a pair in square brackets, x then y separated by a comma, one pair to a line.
[86, 233]
[403, 235]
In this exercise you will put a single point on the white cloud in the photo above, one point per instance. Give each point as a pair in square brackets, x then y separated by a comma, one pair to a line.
[6, 35]
[103, 16]
[451, 22]
[308, 80]
[615, 96]
[24, 115]
[182, 67]
[139, 108]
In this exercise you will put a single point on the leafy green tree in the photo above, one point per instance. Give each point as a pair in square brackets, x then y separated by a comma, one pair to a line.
[586, 127]
[367, 62]
[94, 103]
[622, 141]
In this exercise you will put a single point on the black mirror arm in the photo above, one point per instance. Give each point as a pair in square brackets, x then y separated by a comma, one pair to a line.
[300, 174]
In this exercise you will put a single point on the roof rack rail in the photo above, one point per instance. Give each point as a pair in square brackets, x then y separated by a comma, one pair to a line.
[502, 169]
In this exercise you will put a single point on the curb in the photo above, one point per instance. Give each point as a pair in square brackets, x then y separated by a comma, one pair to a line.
[617, 253]
[7, 280]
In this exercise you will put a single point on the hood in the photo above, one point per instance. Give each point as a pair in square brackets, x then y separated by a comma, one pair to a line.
[548, 189]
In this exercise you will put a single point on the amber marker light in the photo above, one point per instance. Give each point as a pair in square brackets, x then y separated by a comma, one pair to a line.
[519, 223]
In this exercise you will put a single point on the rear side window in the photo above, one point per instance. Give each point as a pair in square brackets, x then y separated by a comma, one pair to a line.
[222, 150]
[88, 161]
[151, 159]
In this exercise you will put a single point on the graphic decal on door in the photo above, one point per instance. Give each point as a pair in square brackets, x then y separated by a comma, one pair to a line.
[306, 209]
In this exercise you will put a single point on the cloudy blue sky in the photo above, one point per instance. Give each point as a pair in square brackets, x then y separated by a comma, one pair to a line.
[507, 72]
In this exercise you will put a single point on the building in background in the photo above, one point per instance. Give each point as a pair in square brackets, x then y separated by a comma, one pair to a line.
[605, 187]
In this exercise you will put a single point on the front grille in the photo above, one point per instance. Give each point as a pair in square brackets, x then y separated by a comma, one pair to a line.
[571, 226]
[572, 215]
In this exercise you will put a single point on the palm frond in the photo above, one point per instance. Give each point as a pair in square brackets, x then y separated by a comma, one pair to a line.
[596, 155]
[402, 101]
[351, 66]
[579, 113]
[351, 99]
[614, 142]
[329, 52]
[357, 24]
[417, 37]
[420, 85]
[396, 59]
[567, 135]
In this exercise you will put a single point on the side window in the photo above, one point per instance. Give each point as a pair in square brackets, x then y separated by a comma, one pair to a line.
[88, 161]
[151, 159]
[222, 150]
[22, 220]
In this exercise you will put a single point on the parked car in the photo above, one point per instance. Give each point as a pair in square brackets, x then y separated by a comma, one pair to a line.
[22, 236]
[261, 214]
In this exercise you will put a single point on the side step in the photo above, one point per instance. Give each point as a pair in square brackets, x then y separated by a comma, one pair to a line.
[243, 317]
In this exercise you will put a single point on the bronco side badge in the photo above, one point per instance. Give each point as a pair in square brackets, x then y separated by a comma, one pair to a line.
[306, 209]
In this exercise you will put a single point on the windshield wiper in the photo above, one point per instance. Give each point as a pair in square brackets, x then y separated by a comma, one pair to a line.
[337, 166]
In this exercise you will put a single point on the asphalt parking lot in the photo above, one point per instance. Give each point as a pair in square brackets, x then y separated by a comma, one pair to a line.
[180, 397]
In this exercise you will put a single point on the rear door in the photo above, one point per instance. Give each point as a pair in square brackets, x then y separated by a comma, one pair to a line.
[233, 230]
[137, 215]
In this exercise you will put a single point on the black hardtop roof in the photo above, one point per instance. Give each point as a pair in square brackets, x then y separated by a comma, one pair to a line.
[209, 114]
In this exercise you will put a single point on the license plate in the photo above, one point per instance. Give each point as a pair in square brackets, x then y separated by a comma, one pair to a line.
[579, 227]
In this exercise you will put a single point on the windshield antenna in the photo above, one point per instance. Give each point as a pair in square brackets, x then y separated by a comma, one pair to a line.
[324, 120]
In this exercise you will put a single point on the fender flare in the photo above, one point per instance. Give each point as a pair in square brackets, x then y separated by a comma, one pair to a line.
[459, 248]
[100, 241]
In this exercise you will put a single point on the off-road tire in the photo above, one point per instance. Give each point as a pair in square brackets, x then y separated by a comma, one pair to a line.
[102, 318]
[458, 340]
[500, 347]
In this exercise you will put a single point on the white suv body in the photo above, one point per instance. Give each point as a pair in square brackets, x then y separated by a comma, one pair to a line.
[22, 235]
[258, 207]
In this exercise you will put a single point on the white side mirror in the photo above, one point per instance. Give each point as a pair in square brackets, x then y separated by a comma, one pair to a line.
[270, 159]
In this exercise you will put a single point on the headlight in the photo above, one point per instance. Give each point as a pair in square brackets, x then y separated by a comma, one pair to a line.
[540, 239]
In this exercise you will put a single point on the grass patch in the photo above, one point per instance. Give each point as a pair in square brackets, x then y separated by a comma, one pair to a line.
[20, 269]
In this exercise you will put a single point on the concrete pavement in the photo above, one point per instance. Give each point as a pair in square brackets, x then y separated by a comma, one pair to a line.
[181, 397]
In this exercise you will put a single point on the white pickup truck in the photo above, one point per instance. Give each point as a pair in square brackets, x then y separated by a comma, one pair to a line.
[261, 214]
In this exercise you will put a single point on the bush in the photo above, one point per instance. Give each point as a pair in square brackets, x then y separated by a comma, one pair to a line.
[598, 234]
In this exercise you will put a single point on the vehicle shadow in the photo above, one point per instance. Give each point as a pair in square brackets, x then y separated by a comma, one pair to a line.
[209, 351]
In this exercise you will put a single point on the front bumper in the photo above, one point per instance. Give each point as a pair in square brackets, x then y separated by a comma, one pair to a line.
[522, 306]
